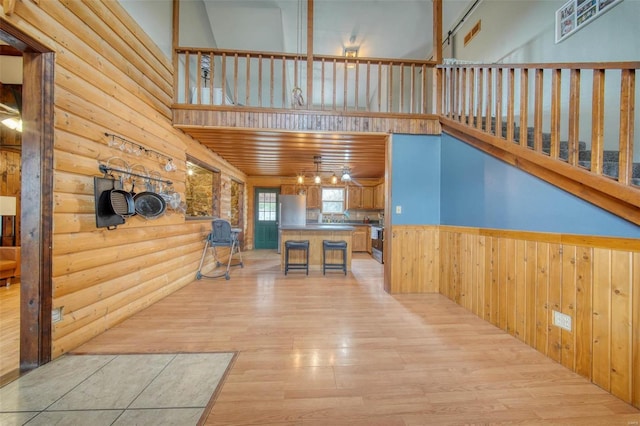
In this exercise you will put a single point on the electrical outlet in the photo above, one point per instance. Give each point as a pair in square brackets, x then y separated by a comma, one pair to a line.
[398, 209]
[56, 315]
[562, 320]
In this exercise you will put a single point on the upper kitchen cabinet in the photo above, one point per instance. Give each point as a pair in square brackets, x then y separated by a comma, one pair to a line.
[313, 197]
[288, 190]
[367, 197]
[378, 197]
[354, 197]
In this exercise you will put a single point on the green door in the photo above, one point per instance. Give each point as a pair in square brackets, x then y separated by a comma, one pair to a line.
[266, 220]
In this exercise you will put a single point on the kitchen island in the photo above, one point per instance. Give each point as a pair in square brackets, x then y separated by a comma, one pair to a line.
[316, 234]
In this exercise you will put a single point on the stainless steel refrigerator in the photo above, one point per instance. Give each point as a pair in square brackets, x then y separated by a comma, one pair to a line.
[292, 211]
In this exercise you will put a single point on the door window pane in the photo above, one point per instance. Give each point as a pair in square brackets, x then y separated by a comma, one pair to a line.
[267, 207]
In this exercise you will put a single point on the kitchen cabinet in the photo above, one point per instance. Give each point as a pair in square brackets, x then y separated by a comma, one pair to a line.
[367, 197]
[369, 239]
[314, 200]
[354, 197]
[378, 202]
[359, 238]
[288, 190]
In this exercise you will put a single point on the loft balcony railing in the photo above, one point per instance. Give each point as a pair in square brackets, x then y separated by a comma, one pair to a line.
[248, 79]
[582, 114]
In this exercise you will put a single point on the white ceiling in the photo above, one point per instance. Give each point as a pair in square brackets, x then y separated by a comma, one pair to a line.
[380, 28]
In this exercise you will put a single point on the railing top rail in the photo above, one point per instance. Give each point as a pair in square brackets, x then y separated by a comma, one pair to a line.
[386, 61]
[266, 54]
[631, 65]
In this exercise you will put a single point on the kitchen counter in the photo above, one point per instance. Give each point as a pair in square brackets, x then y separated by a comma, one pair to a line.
[316, 233]
[320, 226]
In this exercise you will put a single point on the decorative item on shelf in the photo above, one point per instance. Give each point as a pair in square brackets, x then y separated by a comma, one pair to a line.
[134, 148]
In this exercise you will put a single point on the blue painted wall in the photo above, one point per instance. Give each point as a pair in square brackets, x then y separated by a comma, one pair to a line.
[481, 191]
[415, 184]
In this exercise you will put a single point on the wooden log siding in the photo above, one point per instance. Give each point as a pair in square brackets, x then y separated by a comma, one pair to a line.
[110, 77]
[405, 81]
[516, 279]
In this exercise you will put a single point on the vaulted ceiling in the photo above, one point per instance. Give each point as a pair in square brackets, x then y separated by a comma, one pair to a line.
[379, 28]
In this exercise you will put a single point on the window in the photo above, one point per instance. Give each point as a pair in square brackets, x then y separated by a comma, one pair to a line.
[202, 190]
[333, 200]
[267, 207]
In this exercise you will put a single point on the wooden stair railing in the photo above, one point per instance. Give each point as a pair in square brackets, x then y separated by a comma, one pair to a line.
[572, 124]
[279, 81]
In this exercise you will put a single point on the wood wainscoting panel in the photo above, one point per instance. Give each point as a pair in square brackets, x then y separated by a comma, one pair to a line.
[415, 259]
[528, 276]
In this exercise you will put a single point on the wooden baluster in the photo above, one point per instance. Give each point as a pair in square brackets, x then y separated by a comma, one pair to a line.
[412, 88]
[284, 82]
[390, 90]
[510, 104]
[272, 80]
[556, 92]
[597, 120]
[344, 83]
[627, 125]
[401, 104]
[379, 86]
[574, 117]
[223, 83]
[211, 77]
[248, 78]
[368, 84]
[499, 99]
[488, 107]
[453, 74]
[472, 96]
[235, 78]
[260, 80]
[479, 98]
[524, 108]
[357, 81]
[463, 96]
[199, 78]
[437, 73]
[187, 98]
[537, 112]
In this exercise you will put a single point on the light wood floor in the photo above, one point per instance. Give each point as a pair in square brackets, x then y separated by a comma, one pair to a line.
[9, 330]
[338, 350]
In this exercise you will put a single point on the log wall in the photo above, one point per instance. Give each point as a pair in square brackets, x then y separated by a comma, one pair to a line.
[110, 77]
[515, 280]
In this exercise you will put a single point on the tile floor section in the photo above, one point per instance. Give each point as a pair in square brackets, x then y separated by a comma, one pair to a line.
[158, 389]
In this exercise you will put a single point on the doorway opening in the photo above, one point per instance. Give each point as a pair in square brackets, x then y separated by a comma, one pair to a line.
[36, 199]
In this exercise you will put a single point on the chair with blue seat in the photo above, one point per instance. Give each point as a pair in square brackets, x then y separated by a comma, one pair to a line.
[221, 235]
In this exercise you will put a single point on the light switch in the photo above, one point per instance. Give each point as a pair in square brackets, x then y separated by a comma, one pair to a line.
[398, 209]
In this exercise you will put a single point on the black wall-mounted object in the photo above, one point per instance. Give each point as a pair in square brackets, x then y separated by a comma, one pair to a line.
[105, 216]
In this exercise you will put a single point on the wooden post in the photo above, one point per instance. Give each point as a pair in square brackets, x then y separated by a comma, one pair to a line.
[437, 56]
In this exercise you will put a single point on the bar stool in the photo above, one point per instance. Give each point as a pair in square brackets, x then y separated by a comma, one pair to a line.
[334, 245]
[296, 245]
